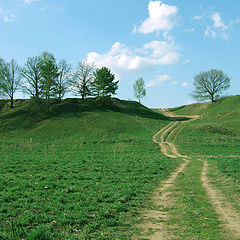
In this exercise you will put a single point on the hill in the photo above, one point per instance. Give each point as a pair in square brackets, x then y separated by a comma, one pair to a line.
[215, 134]
[75, 170]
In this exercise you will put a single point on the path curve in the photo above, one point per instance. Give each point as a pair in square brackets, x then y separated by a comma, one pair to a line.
[229, 217]
[154, 227]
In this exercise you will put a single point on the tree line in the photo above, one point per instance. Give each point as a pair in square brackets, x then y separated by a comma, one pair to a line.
[43, 77]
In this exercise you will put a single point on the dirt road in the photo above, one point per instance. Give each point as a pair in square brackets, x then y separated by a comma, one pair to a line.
[155, 225]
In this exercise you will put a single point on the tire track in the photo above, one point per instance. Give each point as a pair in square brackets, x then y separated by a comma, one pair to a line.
[154, 226]
[227, 215]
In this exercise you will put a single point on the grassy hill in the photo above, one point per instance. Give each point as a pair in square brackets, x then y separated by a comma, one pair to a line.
[216, 135]
[75, 170]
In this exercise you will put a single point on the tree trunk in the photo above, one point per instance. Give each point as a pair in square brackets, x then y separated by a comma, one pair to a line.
[36, 92]
[212, 98]
[11, 102]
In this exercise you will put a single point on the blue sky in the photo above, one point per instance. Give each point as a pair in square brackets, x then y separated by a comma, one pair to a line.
[165, 42]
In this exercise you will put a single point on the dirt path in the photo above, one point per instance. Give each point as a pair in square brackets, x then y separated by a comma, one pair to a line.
[229, 217]
[154, 226]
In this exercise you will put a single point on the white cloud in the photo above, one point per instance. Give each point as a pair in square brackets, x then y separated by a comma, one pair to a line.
[9, 18]
[218, 23]
[209, 32]
[186, 61]
[185, 84]
[218, 28]
[158, 81]
[189, 30]
[122, 59]
[162, 17]
[30, 1]
[174, 83]
[225, 36]
[235, 21]
[197, 17]
[167, 37]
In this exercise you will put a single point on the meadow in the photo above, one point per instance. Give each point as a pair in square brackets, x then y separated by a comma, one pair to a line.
[215, 137]
[216, 134]
[75, 170]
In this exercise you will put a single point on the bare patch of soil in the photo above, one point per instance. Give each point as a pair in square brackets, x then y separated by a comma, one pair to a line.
[229, 217]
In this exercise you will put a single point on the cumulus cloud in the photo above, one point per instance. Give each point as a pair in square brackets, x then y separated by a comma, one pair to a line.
[122, 59]
[162, 17]
[158, 81]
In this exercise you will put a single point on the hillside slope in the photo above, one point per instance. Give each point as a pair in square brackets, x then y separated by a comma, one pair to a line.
[76, 170]
[215, 134]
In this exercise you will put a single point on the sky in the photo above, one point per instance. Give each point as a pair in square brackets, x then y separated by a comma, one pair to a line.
[165, 42]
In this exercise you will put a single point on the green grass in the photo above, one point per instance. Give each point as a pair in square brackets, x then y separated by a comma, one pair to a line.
[215, 137]
[76, 170]
[216, 133]
[193, 215]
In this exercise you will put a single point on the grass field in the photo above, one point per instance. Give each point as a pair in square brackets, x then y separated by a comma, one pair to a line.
[76, 170]
[215, 134]
[215, 138]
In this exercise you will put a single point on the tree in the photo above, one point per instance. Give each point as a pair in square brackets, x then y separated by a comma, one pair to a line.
[104, 84]
[139, 89]
[209, 85]
[63, 79]
[9, 79]
[49, 75]
[82, 79]
[32, 73]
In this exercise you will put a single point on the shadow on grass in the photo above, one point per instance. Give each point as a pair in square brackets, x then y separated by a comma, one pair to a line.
[31, 112]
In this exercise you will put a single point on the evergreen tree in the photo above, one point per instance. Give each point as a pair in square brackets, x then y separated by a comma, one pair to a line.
[104, 84]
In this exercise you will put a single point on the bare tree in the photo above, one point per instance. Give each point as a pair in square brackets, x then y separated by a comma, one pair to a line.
[209, 85]
[32, 73]
[63, 79]
[10, 76]
[139, 89]
[82, 78]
